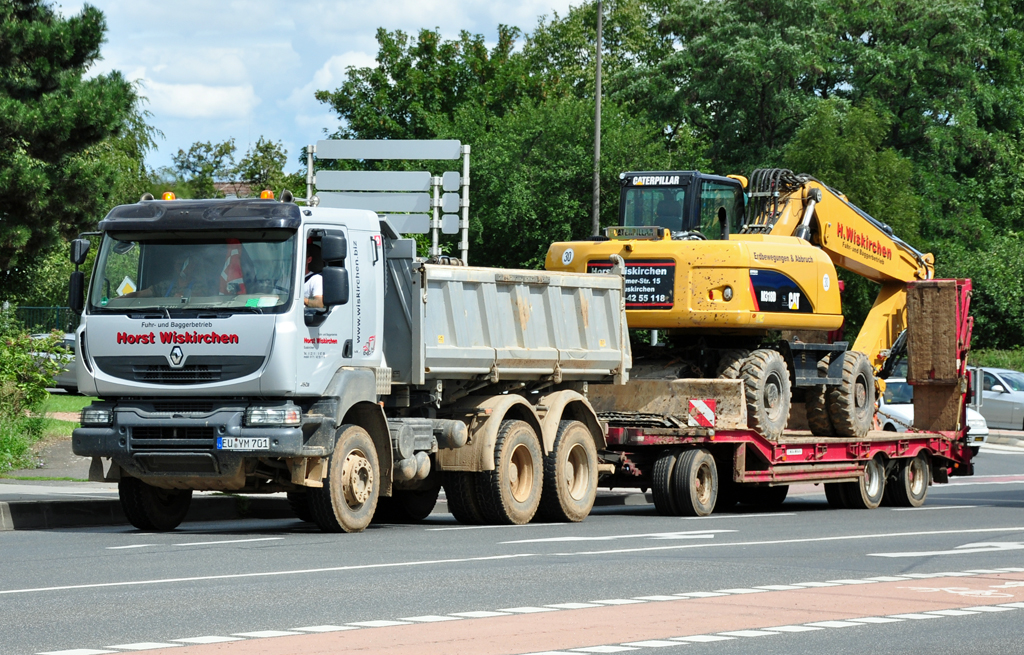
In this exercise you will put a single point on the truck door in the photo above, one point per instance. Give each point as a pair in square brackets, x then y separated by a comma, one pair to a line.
[327, 334]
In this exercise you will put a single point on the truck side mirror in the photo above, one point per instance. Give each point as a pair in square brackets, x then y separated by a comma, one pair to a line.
[79, 249]
[335, 279]
[333, 249]
[76, 291]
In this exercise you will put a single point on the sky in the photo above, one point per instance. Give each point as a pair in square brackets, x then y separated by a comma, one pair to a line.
[216, 69]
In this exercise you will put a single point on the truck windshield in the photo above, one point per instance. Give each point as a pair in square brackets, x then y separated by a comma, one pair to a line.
[660, 206]
[230, 272]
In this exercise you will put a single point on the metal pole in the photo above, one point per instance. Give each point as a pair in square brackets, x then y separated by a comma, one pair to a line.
[464, 246]
[310, 149]
[435, 221]
[595, 217]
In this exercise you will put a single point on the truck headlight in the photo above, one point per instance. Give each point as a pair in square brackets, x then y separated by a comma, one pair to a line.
[97, 416]
[288, 415]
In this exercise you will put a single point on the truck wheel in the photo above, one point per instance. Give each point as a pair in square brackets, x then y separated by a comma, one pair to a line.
[460, 490]
[661, 483]
[764, 497]
[910, 487]
[570, 474]
[834, 495]
[867, 492]
[299, 502]
[510, 494]
[152, 508]
[730, 363]
[348, 498]
[851, 404]
[816, 404]
[695, 482]
[766, 382]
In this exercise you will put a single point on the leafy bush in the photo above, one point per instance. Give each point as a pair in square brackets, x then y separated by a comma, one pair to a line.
[27, 367]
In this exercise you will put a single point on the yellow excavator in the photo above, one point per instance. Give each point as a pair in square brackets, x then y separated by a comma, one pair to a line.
[740, 277]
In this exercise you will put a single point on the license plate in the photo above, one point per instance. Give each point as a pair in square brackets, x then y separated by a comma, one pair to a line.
[243, 443]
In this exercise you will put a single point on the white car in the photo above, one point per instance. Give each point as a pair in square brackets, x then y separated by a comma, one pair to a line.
[896, 413]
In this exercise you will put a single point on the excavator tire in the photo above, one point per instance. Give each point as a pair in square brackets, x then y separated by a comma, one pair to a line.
[730, 363]
[766, 384]
[816, 404]
[851, 404]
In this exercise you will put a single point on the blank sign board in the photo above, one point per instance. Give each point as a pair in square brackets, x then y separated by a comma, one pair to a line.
[386, 149]
[450, 223]
[450, 203]
[373, 180]
[451, 181]
[378, 202]
[410, 223]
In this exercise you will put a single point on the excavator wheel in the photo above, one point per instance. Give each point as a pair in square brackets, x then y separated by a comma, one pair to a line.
[851, 404]
[766, 383]
[730, 363]
[816, 404]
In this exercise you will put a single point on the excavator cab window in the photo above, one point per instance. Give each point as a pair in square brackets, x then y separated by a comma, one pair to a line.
[661, 206]
[721, 206]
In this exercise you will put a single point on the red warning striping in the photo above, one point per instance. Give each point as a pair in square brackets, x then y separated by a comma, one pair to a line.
[525, 633]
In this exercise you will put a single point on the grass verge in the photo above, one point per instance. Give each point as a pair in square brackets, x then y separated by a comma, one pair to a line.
[19, 435]
[1011, 359]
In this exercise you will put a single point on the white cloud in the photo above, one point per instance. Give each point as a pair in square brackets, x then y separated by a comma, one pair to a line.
[200, 101]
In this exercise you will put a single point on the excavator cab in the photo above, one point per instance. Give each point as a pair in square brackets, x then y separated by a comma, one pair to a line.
[689, 204]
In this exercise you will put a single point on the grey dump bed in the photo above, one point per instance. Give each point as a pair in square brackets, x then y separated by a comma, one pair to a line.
[445, 322]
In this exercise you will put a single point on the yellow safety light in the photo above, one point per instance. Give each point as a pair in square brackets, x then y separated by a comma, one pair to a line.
[266, 194]
[169, 195]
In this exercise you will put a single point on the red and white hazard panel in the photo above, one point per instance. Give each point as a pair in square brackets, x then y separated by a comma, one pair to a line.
[702, 413]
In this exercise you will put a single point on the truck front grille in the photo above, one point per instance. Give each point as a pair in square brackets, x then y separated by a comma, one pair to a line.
[163, 438]
[197, 369]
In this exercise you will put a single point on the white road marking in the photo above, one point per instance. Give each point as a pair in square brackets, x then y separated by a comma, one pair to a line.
[528, 610]
[889, 578]
[603, 649]
[854, 581]
[78, 651]
[618, 601]
[986, 483]
[778, 587]
[210, 639]
[653, 643]
[693, 534]
[736, 516]
[913, 616]
[702, 639]
[228, 541]
[748, 633]
[658, 598]
[146, 645]
[492, 527]
[989, 608]
[1013, 605]
[265, 634]
[700, 594]
[572, 606]
[877, 619]
[429, 618]
[951, 612]
[835, 624]
[794, 628]
[922, 509]
[378, 624]
[816, 584]
[479, 614]
[132, 546]
[988, 547]
[325, 628]
[741, 591]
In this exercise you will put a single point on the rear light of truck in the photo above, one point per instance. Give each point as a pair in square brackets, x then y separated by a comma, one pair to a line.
[288, 415]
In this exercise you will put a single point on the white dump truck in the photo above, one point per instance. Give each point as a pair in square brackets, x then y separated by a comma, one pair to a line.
[215, 371]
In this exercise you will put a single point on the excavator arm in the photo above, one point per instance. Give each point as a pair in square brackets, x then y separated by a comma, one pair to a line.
[785, 204]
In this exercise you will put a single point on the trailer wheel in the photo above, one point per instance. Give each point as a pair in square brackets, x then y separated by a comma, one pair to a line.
[851, 404]
[661, 483]
[460, 490]
[766, 383]
[299, 502]
[348, 499]
[816, 404]
[151, 508]
[764, 497]
[834, 494]
[730, 363]
[570, 474]
[910, 487]
[695, 482]
[511, 492]
[868, 491]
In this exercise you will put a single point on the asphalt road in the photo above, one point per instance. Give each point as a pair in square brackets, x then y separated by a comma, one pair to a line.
[490, 590]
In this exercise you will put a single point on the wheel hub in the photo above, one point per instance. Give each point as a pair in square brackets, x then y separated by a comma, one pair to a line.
[577, 472]
[520, 473]
[356, 478]
[702, 484]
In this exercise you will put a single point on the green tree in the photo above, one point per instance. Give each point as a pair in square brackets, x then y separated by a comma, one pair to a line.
[203, 164]
[49, 117]
[263, 166]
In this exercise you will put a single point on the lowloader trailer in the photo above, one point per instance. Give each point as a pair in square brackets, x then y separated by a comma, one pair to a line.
[688, 440]
[218, 368]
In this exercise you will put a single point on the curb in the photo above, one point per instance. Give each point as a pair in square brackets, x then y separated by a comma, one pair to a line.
[50, 514]
[1005, 440]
